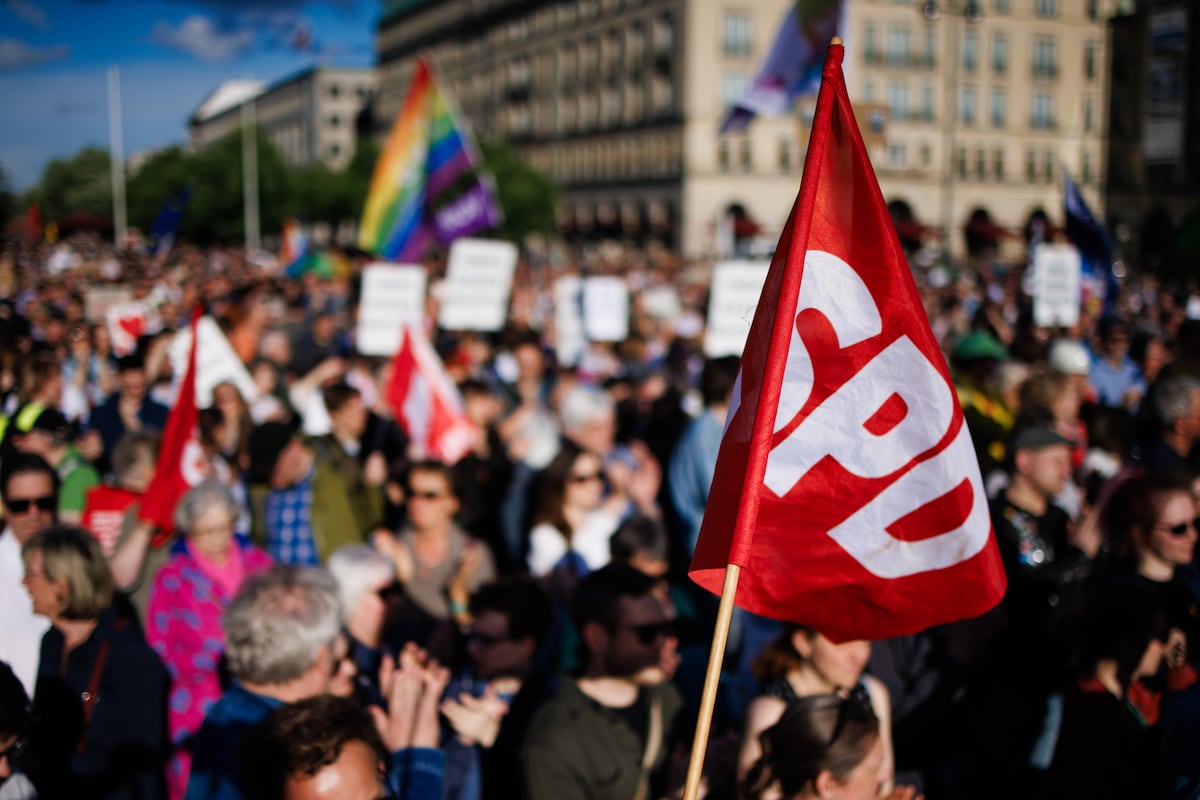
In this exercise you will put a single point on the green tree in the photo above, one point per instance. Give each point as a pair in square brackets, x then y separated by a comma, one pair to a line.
[526, 195]
[216, 212]
[81, 184]
[358, 174]
[162, 177]
[319, 194]
[8, 200]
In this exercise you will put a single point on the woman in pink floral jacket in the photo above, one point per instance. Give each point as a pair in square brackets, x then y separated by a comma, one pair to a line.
[206, 567]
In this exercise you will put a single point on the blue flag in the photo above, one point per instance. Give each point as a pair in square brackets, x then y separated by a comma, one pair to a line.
[166, 224]
[1094, 243]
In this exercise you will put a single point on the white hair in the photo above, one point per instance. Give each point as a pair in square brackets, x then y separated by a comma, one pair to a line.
[584, 404]
[356, 568]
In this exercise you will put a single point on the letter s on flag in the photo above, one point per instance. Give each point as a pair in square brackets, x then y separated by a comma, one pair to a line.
[846, 487]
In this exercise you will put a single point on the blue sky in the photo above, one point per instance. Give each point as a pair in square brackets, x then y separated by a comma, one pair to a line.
[55, 54]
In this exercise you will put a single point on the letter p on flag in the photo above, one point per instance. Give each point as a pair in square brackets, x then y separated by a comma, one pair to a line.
[846, 488]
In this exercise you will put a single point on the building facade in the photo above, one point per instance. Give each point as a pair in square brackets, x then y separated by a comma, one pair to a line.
[965, 106]
[309, 117]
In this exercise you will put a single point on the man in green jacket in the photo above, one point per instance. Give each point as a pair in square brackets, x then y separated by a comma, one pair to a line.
[300, 509]
[609, 733]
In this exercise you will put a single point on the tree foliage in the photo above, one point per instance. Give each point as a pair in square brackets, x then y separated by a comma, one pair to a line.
[8, 200]
[81, 184]
[526, 196]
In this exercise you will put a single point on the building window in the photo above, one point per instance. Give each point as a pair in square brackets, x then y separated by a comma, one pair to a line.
[970, 52]
[869, 42]
[925, 155]
[723, 155]
[898, 50]
[1045, 57]
[1030, 166]
[1089, 59]
[1048, 167]
[868, 91]
[1000, 54]
[998, 164]
[1085, 168]
[1045, 8]
[968, 106]
[1042, 112]
[998, 108]
[747, 155]
[334, 90]
[897, 100]
[927, 101]
[335, 150]
[785, 155]
[961, 159]
[733, 87]
[335, 121]
[980, 164]
[1001, 6]
[930, 45]
[1093, 10]
[897, 155]
[735, 39]
[1089, 113]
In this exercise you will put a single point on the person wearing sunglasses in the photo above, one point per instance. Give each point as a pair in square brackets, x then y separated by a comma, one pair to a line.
[29, 495]
[823, 747]
[610, 731]
[14, 736]
[1151, 523]
[800, 663]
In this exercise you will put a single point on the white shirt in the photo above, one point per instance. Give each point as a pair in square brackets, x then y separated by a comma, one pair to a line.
[547, 545]
[21, 630]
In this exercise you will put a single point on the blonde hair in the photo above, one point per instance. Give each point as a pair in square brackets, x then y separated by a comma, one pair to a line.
[72, 555]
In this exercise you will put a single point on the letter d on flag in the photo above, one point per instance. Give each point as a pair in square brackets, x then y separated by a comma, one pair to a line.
[846, 488]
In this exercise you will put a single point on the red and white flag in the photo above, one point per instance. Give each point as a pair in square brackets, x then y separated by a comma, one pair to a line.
[181, 461]
[846, 486]
[426, 402]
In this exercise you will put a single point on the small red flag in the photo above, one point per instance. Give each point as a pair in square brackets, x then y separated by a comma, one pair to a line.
[426, 402]
[846, 486]
[181, 462]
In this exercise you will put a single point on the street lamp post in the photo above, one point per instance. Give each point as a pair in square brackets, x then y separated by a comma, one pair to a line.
[970, 11]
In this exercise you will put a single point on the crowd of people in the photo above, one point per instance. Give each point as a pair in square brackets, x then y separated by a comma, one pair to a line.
[334, 613]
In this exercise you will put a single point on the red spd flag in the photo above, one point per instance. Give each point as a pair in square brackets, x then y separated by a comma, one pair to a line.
[426, 402]
[846, 487]
[104, 512]
[181, 461]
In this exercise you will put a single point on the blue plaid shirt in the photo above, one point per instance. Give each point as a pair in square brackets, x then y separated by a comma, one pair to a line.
[289, 524]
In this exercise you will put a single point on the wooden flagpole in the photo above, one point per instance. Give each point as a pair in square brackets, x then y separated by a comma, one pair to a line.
[712, 678]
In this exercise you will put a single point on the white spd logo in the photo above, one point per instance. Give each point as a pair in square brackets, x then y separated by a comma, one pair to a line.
[836, 428]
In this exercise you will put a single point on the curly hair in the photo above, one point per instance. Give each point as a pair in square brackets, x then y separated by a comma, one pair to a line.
[300, 739]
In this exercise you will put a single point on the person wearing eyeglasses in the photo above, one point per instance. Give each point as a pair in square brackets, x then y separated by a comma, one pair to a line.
[802, 663]
[100, 706]
[206, 567]
[29, 494]
[490, 701]
[610, 731]
[14, 736]
[823, 747]
[1152, 524]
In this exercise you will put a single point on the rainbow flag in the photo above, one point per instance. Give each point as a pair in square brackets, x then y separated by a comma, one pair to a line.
[409, 202]
[293, 250]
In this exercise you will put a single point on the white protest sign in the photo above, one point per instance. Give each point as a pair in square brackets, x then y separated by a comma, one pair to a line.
[216, 363]
[1057, 285]
[126, 323]
[392, 295]
[569, 341]
[606, 309]
[736, 287]
[98, 299]
[479, 276]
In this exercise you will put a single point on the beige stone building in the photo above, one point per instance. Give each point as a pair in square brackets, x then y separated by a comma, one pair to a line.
[966, 106]
[309, 117]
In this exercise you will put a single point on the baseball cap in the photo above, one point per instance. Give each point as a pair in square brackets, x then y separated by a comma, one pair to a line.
[52, 421]
[1035, 437]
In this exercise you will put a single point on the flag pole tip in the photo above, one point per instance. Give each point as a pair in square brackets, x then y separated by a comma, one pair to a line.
[836, 40]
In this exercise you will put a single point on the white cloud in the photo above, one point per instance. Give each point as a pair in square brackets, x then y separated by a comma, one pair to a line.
[15, 54]
[29, 13]
[199, 36]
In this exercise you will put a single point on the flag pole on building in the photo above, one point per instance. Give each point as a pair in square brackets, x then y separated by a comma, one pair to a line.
[846, 494]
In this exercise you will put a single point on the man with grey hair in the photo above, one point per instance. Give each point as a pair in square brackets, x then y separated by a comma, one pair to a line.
[1176, 406]
[282, 644]
[367, 589]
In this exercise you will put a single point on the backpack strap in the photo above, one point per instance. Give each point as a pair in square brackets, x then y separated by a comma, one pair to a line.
[654, 736]
[91, 695]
